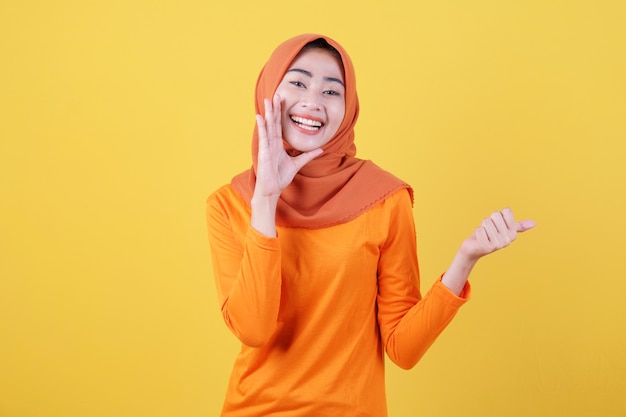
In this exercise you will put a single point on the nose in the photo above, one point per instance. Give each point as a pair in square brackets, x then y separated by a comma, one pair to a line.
[311, 100]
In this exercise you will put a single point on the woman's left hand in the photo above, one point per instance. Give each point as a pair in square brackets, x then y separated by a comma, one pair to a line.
[495, 232]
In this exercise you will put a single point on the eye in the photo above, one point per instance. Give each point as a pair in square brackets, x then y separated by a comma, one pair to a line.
[297, 84]
[332, 93]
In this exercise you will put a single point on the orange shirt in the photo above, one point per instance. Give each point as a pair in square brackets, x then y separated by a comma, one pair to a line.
[315, 309]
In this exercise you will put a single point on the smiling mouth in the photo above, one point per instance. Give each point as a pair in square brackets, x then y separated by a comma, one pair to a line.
[307, 124]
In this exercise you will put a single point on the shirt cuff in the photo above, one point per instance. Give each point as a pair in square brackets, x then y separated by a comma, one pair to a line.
[462, 298]
[261, 241]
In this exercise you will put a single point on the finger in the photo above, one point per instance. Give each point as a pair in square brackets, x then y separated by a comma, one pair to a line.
[490, 230]
[498, 234]
[260, 123]
[269, 120]
[505, 223]
[509, 218]
[498, 221]
[278, 115]
[276, 107]
[525, 225]
[480, 234]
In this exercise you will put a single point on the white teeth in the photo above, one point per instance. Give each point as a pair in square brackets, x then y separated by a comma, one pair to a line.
[307, 123]
[311, 128]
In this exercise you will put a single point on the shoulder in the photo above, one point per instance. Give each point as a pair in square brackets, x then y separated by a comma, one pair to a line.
[401, 197]
[225, 199]
[224, 194]
[227, 212]
[398, 202]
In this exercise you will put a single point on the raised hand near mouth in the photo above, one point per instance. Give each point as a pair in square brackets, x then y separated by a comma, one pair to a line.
[275, 167]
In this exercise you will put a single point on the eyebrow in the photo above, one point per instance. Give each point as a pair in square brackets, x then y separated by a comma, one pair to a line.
[309, 74]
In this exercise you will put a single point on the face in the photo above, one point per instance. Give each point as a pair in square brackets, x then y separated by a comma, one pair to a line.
[313, 100]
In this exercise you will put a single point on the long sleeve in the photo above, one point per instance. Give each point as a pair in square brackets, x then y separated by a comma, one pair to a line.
[247, 270]
[409, 324]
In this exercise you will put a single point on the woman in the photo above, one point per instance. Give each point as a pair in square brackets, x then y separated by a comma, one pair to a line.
[314, 251]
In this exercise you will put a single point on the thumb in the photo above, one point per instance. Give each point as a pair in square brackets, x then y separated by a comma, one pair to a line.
[306, 157]
[524, 225]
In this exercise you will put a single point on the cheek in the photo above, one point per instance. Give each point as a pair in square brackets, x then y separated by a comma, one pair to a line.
[340, 113]
[284, 117]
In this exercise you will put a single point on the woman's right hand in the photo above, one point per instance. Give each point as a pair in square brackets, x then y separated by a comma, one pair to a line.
[275, 168]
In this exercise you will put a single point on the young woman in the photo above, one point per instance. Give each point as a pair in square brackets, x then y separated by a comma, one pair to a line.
[314, 251]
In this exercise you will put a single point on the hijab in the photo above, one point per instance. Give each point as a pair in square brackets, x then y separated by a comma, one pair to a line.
[335, 187]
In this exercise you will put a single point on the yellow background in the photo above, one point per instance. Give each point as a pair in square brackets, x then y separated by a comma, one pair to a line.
[118, 118]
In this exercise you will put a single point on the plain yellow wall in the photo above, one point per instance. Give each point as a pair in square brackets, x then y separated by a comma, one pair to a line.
[118, 118]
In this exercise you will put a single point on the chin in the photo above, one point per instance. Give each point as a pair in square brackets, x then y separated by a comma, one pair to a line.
[306, 144]
[299, 149]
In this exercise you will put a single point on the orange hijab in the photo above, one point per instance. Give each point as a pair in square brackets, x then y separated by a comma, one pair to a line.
[335, 187]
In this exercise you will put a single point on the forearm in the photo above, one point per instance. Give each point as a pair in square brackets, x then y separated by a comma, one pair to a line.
[246, 267]
[422, 324]
[251, 307]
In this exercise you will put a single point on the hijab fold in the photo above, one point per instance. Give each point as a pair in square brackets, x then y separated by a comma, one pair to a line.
[335, 187]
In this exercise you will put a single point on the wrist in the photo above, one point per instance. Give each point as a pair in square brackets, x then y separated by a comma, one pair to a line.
[263, 214]
[264, 202]
[458, 273]
[465, 260]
